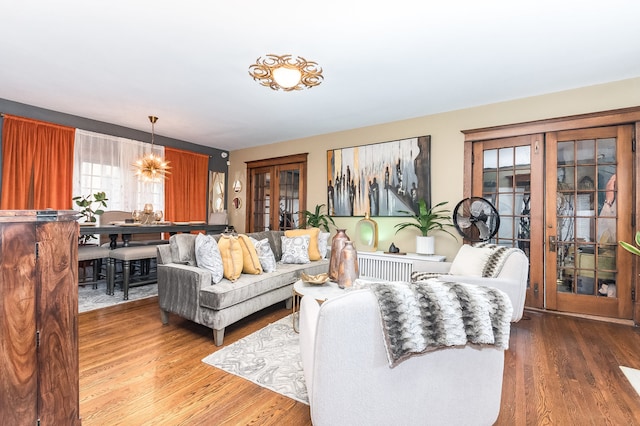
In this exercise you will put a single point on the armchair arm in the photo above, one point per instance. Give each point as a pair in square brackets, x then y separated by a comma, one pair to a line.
[432, 267]
[514, 289]
[309, 310]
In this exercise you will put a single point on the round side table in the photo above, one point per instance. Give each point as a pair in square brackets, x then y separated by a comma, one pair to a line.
[320, 292]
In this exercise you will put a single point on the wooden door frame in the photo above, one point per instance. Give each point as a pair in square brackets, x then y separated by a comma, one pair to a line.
[275, 163]
[597, 119]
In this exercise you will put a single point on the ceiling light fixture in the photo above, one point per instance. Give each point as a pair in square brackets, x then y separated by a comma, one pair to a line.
[286, 72]
[152, 168]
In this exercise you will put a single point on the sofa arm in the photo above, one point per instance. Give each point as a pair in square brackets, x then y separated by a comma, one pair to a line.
[179, 289]
[164, 254]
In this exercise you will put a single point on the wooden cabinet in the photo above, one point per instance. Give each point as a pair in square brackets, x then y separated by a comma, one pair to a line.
[39, 375]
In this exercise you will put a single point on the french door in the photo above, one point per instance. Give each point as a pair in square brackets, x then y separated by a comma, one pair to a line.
[565, 198]
[509, 173]
[276, 193]
[589, 205]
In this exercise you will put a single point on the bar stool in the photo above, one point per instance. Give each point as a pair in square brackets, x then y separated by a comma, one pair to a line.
[95, 254]
[128, 254]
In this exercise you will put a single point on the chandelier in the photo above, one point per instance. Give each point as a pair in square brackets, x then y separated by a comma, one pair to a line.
[286, 72]
[151, 168]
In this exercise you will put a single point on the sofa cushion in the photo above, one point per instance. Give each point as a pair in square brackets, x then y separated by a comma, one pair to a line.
[274, 240]
[208, 256]
[470, 261]
[183, 249]
[295, 249]
[231, 253]
[227, 293]
[250, 260]
[314, 252]
[265, 254]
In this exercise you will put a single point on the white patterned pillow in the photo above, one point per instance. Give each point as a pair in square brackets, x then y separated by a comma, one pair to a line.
[295, 249]
[323, 244]
[208, 256]
[265, 254]
[470, 261]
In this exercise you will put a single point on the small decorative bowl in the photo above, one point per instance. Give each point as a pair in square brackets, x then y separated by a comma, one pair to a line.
[315, 279]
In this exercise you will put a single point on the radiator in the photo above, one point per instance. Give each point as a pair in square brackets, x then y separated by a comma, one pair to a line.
[390, 269]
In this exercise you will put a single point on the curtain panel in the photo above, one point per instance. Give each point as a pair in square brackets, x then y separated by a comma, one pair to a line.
[186, 186]
[105, 163]
[37, 164]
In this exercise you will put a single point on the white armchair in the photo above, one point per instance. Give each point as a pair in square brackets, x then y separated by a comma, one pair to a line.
[508, 272]
[349, 381]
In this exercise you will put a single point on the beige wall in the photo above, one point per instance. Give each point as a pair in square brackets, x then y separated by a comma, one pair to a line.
[446, 148]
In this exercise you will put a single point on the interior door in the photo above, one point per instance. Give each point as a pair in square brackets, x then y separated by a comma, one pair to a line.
[588, 210]
[276, 193]
[259, 209]
[509, 173]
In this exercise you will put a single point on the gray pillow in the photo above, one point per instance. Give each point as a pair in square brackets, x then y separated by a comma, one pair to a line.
[208, 256]
[323, 244]
[183, 249]
[265, 254]
[295, 249]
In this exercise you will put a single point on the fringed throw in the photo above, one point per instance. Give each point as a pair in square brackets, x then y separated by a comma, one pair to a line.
[434, 314]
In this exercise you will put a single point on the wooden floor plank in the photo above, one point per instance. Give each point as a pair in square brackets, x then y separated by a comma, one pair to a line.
[135, 371]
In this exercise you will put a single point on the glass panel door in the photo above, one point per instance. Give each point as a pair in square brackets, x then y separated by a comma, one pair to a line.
[289, 193]
[586, 172]
[261, 200]
[511, 176]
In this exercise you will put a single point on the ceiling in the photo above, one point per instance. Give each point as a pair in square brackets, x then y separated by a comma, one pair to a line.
[187, 62]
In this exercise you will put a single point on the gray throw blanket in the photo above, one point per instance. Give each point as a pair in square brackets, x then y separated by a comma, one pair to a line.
[434, 314]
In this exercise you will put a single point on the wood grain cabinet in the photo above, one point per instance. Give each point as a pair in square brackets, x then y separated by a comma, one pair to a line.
[39, 376]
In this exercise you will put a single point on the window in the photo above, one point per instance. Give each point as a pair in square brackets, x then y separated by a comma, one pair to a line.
[105, 163]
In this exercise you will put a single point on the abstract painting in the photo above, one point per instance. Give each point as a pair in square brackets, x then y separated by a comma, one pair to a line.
[383, 179]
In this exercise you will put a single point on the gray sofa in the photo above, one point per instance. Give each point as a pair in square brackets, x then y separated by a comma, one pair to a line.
[186, 290]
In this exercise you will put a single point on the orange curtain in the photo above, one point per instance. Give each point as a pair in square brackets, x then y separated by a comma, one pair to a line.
[185, 191]
[37, 165]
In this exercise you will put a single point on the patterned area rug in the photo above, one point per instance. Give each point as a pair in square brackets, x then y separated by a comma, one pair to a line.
[90, 298]
[270, 357]
[633, 376]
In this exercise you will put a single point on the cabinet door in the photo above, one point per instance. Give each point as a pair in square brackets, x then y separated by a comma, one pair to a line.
[18, 362]
[57, 313]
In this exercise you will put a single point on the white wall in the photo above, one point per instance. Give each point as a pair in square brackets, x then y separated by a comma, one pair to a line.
[446, 149]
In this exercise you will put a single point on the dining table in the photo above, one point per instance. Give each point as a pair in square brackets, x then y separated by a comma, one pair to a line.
[127, 229]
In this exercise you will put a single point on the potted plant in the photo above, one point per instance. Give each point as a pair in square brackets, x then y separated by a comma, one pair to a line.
[631, 248]
[88, 212]
[427, 220]
[316, 219]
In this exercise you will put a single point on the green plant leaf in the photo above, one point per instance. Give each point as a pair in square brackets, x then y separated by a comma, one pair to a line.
[427, 219]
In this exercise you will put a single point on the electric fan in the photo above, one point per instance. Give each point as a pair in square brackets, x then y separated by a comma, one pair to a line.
[476, 219]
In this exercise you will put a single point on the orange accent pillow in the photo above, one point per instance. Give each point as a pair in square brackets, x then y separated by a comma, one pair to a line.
[314, 251]
[231, 253]
[250, 259]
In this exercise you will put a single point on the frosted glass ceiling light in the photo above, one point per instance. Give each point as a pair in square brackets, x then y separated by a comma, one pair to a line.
[286, 72]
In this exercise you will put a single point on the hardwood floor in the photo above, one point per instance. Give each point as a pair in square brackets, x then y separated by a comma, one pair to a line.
[134, 371]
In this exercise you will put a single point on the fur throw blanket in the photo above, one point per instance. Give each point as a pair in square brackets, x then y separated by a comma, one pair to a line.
[434, 314]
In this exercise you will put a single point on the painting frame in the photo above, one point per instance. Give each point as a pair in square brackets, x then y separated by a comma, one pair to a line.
[384, 179]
